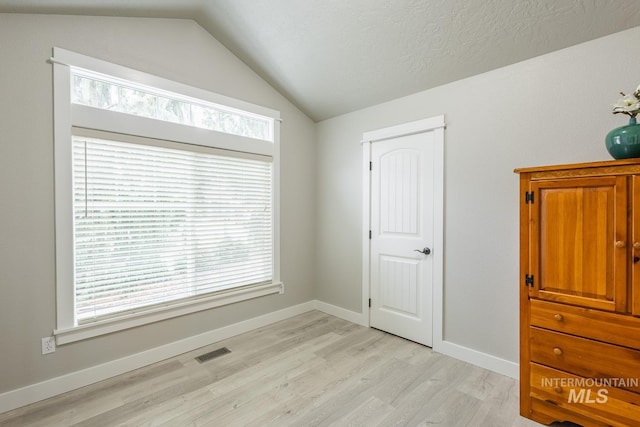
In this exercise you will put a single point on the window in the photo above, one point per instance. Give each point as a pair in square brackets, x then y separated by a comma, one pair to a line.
[109, 93]
[166, 198]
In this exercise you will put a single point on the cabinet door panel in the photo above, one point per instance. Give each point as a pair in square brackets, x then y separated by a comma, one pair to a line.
[579, 243]
[635, 258]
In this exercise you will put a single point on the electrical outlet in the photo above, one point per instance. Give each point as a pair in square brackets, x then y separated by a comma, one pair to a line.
[48, 345]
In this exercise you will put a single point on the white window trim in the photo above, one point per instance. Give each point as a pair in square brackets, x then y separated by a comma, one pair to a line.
[67, 116]
[89, 330]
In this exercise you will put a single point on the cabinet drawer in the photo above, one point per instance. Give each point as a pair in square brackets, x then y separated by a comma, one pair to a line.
[611, 406]
[602, 326]
[584, 357]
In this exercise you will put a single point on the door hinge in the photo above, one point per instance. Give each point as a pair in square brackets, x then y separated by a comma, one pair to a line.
[370, 166]
[369, 234]
[528, 197]
[369, 302]
[528, 280]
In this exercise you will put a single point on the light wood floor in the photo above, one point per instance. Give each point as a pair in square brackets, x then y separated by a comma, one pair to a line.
[310, 370]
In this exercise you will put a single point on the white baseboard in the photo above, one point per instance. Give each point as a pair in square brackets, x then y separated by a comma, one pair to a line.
[342, 313]
[466, 354]
[478, 358]
[49, 388]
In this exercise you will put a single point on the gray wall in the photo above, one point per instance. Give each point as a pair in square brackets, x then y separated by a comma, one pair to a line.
[174, 49]
[547, 110]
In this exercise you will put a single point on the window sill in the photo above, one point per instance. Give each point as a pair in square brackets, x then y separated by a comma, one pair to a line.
[94, 329]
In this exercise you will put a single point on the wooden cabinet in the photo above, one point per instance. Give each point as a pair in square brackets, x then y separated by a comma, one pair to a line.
[580, 293]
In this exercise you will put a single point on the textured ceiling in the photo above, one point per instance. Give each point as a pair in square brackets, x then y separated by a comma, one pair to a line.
[330, 57]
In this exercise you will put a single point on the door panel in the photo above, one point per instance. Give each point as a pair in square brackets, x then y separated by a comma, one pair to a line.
[635, 246]
[579, 241]
[401, 223]
[399, 196]
[400, 293]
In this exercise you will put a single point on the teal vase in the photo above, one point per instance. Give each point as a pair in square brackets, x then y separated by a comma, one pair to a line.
[624, 142]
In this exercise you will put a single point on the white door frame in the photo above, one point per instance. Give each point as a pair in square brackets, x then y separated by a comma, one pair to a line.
[435, 125]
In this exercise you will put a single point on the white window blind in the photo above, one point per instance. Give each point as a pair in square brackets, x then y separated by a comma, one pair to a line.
[154, 224]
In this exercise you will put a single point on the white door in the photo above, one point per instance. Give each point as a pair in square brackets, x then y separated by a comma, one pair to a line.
[402, 236]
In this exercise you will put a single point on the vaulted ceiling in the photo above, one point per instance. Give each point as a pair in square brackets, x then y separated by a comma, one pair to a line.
[331, 57]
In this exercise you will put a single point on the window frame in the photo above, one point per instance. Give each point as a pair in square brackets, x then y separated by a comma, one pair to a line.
[68, 116]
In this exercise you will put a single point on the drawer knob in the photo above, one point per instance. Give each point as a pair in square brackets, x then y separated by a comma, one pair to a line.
[557, 351]
[558, 317]
[636, 245]
[620, 244]
[558, 389]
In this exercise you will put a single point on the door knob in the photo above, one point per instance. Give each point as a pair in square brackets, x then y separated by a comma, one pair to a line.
[425, 251]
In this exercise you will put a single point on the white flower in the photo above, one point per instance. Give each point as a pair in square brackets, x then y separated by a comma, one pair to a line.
[628, 104]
